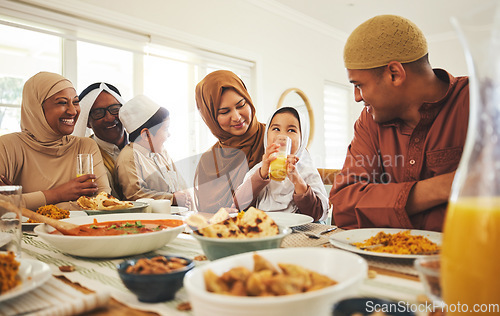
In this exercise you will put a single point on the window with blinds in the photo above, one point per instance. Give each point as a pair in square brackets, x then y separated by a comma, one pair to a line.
[337, 124]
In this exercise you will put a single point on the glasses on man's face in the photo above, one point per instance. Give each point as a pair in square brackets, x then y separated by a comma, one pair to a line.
[97, 114]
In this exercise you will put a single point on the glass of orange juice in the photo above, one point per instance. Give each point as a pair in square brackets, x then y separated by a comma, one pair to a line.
[277, 167]
[84, 164]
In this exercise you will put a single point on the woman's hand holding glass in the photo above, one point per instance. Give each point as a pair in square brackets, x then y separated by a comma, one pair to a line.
[72, 190]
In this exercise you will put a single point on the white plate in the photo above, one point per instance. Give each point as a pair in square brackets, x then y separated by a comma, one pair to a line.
[290, 219]
[344, 239]
[179, 210]
[72, 214]
[33, 273]
[138, 207]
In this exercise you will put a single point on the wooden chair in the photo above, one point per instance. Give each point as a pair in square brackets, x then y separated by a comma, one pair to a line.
[328, 177]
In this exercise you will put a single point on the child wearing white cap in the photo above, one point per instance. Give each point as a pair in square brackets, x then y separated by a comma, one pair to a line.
[144, 169]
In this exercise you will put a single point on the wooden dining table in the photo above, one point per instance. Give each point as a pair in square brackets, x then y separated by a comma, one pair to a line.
[388, 278]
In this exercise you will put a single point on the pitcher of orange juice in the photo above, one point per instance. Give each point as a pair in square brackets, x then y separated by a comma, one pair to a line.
[470, 273]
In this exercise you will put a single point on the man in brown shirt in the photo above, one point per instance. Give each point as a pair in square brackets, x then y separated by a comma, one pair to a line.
[409, 138]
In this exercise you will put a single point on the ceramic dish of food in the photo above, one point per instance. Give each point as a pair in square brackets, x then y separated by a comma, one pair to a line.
[290, 219]
[155, 278]
[116, 245]
[32, 273]
[30, 226]
[344, 240]
[347, 269]
[179, 210]
[138, 207]
[215, 248]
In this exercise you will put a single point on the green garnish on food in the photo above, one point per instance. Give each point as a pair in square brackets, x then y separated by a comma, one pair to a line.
[138, 224]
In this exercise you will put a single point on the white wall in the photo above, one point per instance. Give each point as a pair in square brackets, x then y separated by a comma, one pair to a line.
[289, 51]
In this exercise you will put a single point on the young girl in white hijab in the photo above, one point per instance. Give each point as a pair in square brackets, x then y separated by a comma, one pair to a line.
[302, 191]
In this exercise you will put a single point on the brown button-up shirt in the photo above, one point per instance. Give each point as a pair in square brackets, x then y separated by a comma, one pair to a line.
[384, 161]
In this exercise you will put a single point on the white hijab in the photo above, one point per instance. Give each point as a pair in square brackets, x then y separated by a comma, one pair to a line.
[277, 196]
[86, 104]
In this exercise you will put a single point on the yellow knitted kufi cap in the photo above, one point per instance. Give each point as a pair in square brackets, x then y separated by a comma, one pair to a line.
[383, 39]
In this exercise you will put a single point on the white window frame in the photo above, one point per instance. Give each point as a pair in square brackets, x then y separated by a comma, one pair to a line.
[339, 118]
[141, 42]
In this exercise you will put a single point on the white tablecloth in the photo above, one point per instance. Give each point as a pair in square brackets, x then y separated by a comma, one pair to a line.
[101, 275]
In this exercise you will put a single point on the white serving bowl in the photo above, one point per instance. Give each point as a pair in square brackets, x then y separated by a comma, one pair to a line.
[110, 246]
[348, 269]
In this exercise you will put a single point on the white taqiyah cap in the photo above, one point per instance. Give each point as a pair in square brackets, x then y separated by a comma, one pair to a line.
[136, 112]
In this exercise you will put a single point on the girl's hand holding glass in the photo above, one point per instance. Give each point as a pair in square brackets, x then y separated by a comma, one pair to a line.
[277, 168]
[269, 155]
[294, 175]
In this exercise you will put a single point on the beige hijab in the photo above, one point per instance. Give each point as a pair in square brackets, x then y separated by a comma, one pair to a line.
[227, 157]
[36, 131]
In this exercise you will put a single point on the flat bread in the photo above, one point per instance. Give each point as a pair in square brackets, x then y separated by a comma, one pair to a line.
[225, 229]
[102, 201]
[253, 223]
[256, 223]
[196, 222]
[221, 215]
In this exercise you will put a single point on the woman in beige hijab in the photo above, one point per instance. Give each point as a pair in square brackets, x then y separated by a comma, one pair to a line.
[42, 157]
[228, 110]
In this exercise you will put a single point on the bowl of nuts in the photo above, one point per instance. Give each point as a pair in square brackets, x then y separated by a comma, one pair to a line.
[154, 278]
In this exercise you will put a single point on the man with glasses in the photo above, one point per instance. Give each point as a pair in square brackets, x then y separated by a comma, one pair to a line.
[100, 103]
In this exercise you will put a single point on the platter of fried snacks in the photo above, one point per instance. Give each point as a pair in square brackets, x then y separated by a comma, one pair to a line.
[253, 223]
[389, 242]
[266, 279]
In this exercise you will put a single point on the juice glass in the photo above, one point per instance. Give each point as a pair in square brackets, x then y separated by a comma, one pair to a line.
[84, 164]
[277, 167]
[10, 219]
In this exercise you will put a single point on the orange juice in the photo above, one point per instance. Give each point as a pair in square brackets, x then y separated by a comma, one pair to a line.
[277, 168]
[82, 174]
[470, 257]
